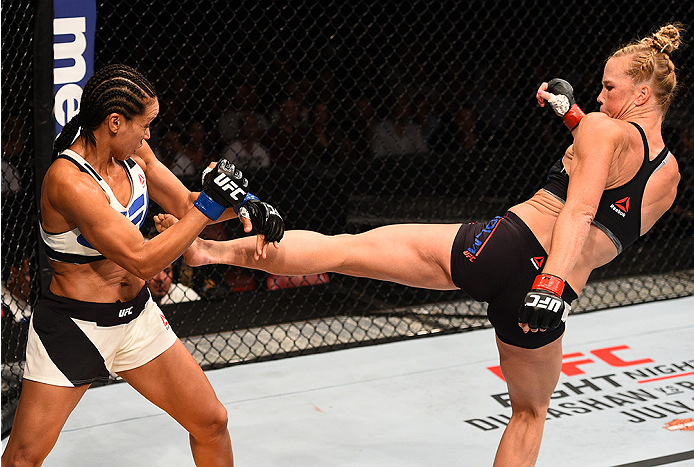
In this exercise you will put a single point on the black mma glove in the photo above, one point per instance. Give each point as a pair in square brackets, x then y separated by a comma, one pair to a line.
[543, 306]
[223, 186]
[563, 103]
[265, 219]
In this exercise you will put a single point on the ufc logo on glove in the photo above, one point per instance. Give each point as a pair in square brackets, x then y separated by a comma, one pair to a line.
[546, 302]
[226, 183]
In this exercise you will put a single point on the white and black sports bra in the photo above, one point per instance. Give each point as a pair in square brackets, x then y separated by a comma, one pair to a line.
[71, 246]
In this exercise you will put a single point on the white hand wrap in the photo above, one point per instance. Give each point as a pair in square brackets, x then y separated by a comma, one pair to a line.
[559, 103]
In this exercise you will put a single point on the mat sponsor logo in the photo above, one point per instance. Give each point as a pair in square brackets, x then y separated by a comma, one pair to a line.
[637, 388]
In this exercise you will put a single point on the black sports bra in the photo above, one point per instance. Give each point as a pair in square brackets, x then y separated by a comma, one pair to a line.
[619, 211]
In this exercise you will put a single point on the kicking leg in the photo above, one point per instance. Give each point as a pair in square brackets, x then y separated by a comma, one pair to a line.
[531, 376]
[417, 255]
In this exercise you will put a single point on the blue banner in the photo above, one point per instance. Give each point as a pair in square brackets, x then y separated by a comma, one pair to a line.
[74, 28]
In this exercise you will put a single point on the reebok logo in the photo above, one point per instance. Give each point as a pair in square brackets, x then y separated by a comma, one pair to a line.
[538, 261]
[227, 184]
[125, 312]
[621, 206]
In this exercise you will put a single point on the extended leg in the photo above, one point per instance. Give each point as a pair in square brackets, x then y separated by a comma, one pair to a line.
[417, 255]
[531, 376]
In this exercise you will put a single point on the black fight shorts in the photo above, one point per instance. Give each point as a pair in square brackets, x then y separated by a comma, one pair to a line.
[497, 263]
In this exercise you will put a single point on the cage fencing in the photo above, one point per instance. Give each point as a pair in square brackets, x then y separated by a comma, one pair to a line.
[346, 116]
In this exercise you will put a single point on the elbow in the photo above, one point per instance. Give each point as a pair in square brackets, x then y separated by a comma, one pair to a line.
[581, 215]
[144, 268]
[148, 270]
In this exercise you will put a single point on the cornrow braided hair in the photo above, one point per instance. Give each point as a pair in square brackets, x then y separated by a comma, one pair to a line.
[115, 88]
[650, 62]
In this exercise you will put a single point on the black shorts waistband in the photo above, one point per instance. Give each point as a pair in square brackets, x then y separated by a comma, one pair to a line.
[103, 314]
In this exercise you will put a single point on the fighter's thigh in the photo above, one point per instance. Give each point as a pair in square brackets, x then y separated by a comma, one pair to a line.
[41, 413]
[174, 382]
[418, 255]
[531, 374]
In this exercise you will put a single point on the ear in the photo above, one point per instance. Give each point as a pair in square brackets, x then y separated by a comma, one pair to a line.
[114, 122]
[644, 92]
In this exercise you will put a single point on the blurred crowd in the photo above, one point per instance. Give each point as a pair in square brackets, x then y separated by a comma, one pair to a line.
[301, 121]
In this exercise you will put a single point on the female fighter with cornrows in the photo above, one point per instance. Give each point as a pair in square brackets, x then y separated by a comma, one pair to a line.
[98, 316]
[612, 184]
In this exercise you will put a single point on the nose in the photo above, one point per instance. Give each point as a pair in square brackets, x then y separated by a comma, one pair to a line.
[147, 133]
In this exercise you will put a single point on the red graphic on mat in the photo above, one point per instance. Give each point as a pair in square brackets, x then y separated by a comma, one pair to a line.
[685, 424]
[623, 204]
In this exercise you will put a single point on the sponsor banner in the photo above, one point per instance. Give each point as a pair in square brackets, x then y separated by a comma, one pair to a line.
[74, 28]
[622, 380]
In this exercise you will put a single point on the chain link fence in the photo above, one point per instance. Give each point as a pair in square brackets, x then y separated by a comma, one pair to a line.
[347, 116]
[20, 287]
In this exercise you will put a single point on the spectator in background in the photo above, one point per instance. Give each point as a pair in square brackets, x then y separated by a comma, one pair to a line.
[363, 120]
[165, 291]
[286, 137]
[683, 207]
[398, 135]
[246, 151]
[464, 134]
[245, 102]
[169, 150]
[194, 154]
[327, 140]
[16, 291]
[10, 178]
[168, 120]
[13, 143]
[430, 124]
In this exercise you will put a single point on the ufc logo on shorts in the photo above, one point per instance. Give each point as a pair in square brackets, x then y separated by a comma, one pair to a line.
[548, 303]
[125, 312]
[227, 183]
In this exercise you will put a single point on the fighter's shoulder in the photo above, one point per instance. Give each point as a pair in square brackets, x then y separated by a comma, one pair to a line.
[144, 156]
[66, 185]
[598, 121]
[607, 129]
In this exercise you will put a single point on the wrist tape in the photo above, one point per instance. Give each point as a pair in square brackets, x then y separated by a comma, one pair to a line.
[208, 206]
[549, 283]
[573, 117]
[246, 198]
